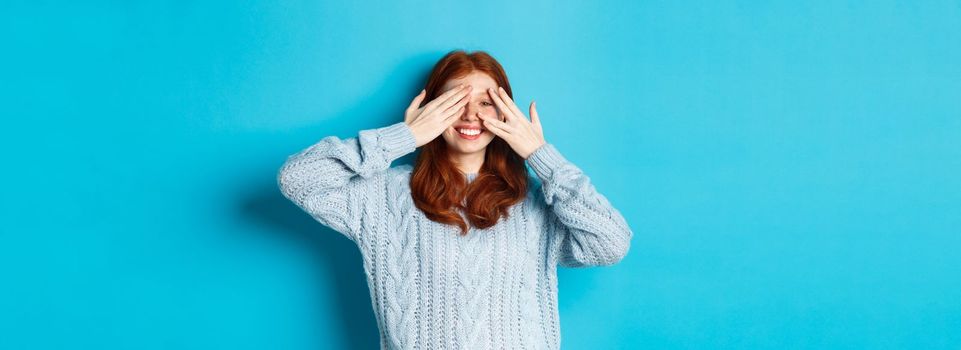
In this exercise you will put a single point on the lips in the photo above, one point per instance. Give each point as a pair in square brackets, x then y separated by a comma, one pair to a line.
[469, 132]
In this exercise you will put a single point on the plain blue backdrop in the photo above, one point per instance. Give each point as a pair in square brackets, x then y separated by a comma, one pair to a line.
[792, 171]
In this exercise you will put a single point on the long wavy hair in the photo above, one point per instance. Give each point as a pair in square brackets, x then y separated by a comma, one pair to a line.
[439, 188]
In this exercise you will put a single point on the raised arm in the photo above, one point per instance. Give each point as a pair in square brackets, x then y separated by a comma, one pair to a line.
[333, 179]
[592, 231]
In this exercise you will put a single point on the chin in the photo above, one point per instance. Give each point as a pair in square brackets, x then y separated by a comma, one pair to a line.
[464, 149]
[456, 144]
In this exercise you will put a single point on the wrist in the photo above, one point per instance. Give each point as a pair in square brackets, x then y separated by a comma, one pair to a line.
[537, 147]
[414, 130]
[545, 159]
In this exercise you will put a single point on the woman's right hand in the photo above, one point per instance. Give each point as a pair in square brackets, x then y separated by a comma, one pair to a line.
[430, 121]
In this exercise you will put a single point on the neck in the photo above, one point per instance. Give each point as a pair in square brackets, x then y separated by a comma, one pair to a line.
[468, 163]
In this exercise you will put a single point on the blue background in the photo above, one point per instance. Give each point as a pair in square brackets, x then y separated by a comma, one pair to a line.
[792, 172]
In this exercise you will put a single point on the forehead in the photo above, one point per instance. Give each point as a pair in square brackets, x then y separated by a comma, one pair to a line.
[476, 79]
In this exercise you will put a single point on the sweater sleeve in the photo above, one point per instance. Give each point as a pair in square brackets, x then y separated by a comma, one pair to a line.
[591, 230]
[333, 178]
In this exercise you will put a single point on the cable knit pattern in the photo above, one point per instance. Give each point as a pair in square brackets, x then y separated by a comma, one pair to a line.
[431, 288]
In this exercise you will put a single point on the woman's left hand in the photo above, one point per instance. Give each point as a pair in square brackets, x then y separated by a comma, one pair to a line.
[522, 135]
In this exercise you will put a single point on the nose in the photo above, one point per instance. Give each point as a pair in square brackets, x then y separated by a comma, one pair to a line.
[470, 111]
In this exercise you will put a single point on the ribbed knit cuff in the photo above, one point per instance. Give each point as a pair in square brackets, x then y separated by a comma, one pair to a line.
[544, 160]
[397, 140]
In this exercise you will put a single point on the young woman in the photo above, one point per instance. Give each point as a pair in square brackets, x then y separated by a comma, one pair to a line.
[461, 249]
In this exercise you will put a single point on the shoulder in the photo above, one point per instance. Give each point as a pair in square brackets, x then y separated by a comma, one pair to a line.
[534, 206]
[535, 194]
[400, 171]
[398, 189]
[398, 177]
[534, 184]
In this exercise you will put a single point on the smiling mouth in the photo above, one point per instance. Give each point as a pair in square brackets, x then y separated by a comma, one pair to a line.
[469, 133]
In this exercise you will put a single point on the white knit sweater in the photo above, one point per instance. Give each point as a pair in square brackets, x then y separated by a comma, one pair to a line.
[432, 288]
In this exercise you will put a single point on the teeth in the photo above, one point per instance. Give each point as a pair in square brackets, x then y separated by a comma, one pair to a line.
[469, 131]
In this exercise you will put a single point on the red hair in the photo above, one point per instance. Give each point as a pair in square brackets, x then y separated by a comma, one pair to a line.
[438, 187]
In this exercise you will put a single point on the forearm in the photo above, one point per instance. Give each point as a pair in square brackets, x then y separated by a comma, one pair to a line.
[593, 232]
[332, 175]
[332, 162]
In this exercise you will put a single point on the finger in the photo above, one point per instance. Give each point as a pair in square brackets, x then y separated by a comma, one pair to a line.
[454, 99]
[510, 102]
[440, 99]
[417, 100]
[491, 121]
[535, 119]
[506, 111]
[444, 98]
[456, 110]
[460, 102]
[492, 124]
[452, 117]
